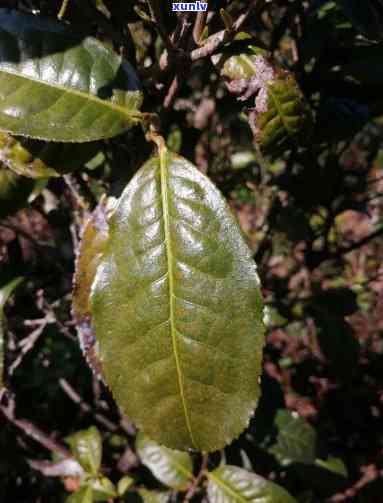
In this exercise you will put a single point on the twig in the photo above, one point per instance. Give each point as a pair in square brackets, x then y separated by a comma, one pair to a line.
[156, 14]
[195, 484]
[359, 244]
[214, 42]
[84, 406]
[31, 430]
[28, 342]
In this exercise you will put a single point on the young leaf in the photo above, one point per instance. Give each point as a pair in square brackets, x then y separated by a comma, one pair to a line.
[124, 484]
[86, 447]
[296, 440]
[103, 489]
[38, 159]
[177, 309]
[230, 484]
[153, 496]
[59, 86]
[5, 292]
[172, 468]
[93, 241]
[83, 495]
[280, 115]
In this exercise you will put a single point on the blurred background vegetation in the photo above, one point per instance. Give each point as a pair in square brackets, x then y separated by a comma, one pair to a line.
[313, 216]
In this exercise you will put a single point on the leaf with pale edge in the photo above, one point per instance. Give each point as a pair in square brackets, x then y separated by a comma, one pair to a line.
[83, 495]
[86, 447]
[93, 240]
[230, 484]
[172, 468]
[60, 86]
[281, 115]
[177, 309]
[38, 159]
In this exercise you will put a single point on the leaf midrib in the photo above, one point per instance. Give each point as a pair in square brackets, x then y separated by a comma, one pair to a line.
[227, 488]
[169, 254]
[75, 92]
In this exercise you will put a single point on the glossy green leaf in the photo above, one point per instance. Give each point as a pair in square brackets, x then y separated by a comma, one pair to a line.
[153, 496]
[83, 495]
[56, 85]
[86, 447]
[124, 484]
[239, 60]
[172, 468]
[14, 191]
[286, 118]
[296, 439]
[177, 309]
[334, 465]
[38, 159]
[5, 292]
[230, 484]
[103, 489]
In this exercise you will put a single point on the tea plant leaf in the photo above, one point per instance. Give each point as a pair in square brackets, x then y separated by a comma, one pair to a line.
[86, 447]
[230, 484]
[83, 495]
[172, 468]
[177, 309]
[154, 496]
[59, 86]
[93, 241]
[103, 489]
[38, 159]
[281, 115]
[296, 439]
[5, 292]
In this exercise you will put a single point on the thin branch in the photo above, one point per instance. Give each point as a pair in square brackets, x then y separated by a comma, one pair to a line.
[156, 14]
[359, 244]
[216, 41]
[196, 482]
[84, 406]
[31, 430]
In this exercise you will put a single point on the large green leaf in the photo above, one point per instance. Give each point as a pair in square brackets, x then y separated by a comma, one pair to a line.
[38, 159]
[86, 447]
[230, 484]
[5, 292]
[172, 468]
[177, 309]
[296, 439]
[56, 85]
